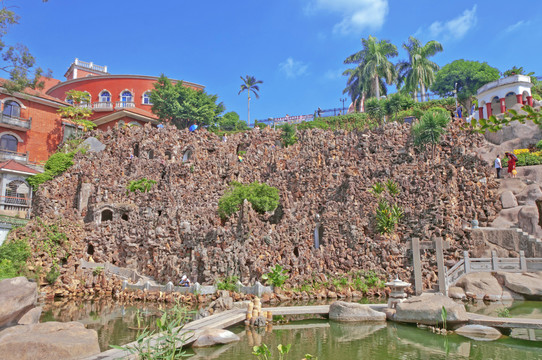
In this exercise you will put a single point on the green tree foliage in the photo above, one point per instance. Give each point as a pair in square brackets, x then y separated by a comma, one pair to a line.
[231, 122]
[429, 129]
[78, 112]
[13, 256]
[469, 77]
[418, 73]
[262, 197]
[18, 62]
[387, 216]
[183, 106]
[494, 123]
[375, 108]
[229, 283]
[250, 84]
[394, 105]
[288, 135]
[55, 165]
[373, 69]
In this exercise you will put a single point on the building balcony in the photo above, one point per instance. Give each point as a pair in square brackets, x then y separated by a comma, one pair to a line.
[13, 155]
[85, 106]
[15, 206]
[102, 106]
[15, 123]
[124, 105]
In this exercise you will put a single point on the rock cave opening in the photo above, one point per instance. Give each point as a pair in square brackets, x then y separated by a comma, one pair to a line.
[136, 149]
[296, 251]
[242, 148]
[187, 155]
[90, 249]
[159, 212]
[125, 217]
[151, 154]
[107, 215]
[168, 155]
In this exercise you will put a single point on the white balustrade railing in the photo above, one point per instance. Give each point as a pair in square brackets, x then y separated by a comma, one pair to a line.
[103, 106]
[124, 105]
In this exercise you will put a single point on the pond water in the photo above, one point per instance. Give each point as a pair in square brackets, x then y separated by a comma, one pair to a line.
[117, 324]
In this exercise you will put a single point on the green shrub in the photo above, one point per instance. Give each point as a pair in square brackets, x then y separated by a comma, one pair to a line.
[387, 216]
[13, 256]
[54, 166]
[377, 188]
[53, 274]
[97, 271]
[539, 145]
[262, 197]
[352, 121]
[229, 283]
[288, 135]
[143, 185]
[277, 276]
[393, 188]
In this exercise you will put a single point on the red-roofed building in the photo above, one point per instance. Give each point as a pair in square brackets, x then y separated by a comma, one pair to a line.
[31, 128]
[115, 99]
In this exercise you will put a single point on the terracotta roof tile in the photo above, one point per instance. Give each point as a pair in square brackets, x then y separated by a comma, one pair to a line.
[15, 166]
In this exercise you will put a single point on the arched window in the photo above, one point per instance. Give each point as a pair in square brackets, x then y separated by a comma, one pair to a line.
[147, 98]
[8, 142]
[17, 192]
[105, 96]
[12, 109]
[126, 96]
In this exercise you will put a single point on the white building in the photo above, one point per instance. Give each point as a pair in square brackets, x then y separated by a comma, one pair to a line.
[499, 96]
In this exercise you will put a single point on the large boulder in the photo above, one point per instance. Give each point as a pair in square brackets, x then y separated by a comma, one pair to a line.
[479, 332]
[346, 311]
[92, 144]
[211, 337]
[48, 341]
[528, 284]
[508, 200]
[484, 286]
[427, 309]
[528, 220]
[31, 317]
[17, 296]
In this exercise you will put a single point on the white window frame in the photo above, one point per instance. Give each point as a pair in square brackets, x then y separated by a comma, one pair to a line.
[148, 93]
[100, 96]
[131, 96]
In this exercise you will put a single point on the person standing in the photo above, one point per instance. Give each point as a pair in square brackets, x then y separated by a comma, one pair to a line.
[498, 166]
[511, 164]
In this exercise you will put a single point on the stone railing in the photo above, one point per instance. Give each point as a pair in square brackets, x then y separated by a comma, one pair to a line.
[124, 104]
[140, 282]
[13, 155]
[102, 106]
[472, 265]
[257, 289]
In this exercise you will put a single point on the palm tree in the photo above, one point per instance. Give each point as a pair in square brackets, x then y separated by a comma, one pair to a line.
[373, 67]
[418, 72]
[250, 84]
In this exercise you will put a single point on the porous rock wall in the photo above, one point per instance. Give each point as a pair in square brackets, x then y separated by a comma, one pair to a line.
[323, 181]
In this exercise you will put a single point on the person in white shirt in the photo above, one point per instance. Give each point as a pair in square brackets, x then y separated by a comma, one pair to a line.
[498, 166]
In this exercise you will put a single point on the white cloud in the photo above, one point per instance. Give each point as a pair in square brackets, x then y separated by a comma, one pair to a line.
[334, 74]
[357, 15]
[516, 26]
[455, 28]
[292, 68]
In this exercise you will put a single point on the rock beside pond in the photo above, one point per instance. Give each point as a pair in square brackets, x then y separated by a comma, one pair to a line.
[17, 296]
[427, 309]
[349, 312]
[211, 337]
[479, 332]
[31, 317]
[481, 286]
[48, 341]
[528, 284]
[455, 292]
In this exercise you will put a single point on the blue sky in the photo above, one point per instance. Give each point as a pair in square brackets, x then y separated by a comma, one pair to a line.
[296, 47]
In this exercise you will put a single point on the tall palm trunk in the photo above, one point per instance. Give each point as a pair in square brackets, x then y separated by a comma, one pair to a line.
[248, 116]
[377, 87]
[422, 85]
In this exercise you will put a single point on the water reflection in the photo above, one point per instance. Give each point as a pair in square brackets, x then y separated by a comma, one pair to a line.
[116, 323]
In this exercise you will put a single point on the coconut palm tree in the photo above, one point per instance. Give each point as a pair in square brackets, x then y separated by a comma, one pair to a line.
[374, 66]
[250, 84]
[418, 73]
[358, 87]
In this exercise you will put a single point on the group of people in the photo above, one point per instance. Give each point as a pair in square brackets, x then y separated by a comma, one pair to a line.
[512, 159]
